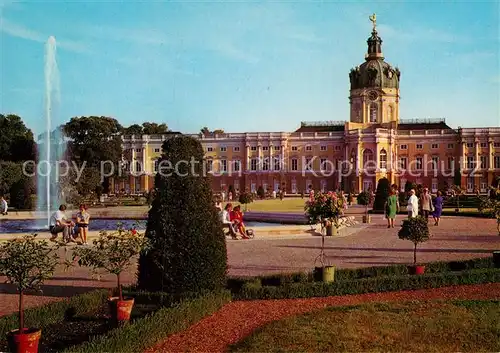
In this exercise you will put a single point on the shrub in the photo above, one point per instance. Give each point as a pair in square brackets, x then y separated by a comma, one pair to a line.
[363, 198]
[27, 263]
[188, 246]
[245, 198]
[415, 230]
[381, 195]
[261, 193]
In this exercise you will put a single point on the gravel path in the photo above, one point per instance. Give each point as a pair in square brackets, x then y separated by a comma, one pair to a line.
[239, 319]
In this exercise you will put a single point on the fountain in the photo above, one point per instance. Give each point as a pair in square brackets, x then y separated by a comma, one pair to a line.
[52, 146]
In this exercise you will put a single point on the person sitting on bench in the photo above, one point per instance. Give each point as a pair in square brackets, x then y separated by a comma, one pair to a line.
[60, 224]
[226, 220]
[237, 219]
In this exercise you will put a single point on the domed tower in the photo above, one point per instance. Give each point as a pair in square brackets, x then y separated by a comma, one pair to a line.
[374, 93]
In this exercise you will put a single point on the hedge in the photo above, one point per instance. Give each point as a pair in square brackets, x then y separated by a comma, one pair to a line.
[235, 284]
[368, 285]
[42, 316]
[146, 332]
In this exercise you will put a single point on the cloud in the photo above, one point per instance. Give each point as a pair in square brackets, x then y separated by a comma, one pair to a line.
[20, 31]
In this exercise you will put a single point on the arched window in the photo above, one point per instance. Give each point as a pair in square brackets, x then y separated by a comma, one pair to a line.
[367, 157]
[383, 159]
[390, 113]
[373, 112]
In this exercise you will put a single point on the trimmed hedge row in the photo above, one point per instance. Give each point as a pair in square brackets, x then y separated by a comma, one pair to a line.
[236, 284]
[252, 291]
[42, 316]
[152, 329]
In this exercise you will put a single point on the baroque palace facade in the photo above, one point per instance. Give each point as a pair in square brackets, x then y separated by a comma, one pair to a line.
[329, 155]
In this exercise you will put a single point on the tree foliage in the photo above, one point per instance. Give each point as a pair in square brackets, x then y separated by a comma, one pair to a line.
[383, 189]
[415, 230]
[146, 128]
[93, 140]
[188, 244]
[16, 140]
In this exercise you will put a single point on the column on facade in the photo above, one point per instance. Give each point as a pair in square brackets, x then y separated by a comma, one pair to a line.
[490, 155]
[463, 161]
[247, 148]
[282, 162]
[358, 159]
[476, 154]
[377, 154]
[145, 167]
[259, 156]
[271, 159]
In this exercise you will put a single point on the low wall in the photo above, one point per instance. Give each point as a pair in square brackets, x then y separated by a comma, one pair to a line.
[276, 217]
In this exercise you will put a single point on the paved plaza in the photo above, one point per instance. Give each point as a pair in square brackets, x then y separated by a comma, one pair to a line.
[358, 246]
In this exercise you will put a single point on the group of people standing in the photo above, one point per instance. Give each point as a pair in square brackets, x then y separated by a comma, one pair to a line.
[426, 206]
[70, 230]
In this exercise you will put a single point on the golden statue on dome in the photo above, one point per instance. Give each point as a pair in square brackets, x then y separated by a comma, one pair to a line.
[373, 19]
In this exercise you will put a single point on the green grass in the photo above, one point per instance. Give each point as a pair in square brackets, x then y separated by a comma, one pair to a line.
[289, 204]
[468, 326]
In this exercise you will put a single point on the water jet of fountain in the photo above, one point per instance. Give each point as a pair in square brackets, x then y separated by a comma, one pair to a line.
[52, 146]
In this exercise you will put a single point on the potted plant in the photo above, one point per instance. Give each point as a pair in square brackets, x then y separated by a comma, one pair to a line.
[245, 198]
[27, 263]
[325, 208]
[113, 252]
[417, 231]
[365, 198]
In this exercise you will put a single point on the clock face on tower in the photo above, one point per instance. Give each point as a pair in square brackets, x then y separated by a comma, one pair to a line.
[373, 95]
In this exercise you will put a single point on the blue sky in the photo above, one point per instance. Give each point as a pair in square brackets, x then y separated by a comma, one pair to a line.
[246, 66]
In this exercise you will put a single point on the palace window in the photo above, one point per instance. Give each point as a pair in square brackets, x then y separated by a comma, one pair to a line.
[419, 146]
[237, 165]
[277, 163]
[419, 163]
[253, 148]
[323, 164]
[157, 150]
[484, 186]
[496, 144]
[367, 157]
[383, 159]
[309, 148]
[253, 164]
[403, 163]
[209, 149]
[404, 147]
[451, 163]
[337, 148]
[210, 165]
[434, 185]
[236, 149]
[373, 112]
[470, 145]
[265, 148]
[470, 162]
[265, 164]
[223, 165]
[223, 149]
[294, 148]
[323, 148]
[156, 164]
[435, 146]
[138, 149]
[484, 162]
[450, 145]
[497, 162]
[484, 145]
[138, 166]
[295, 164]
[277, 148]
[308, 165]
[435, 163]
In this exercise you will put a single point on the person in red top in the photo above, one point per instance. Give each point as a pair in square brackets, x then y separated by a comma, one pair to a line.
[237, 219]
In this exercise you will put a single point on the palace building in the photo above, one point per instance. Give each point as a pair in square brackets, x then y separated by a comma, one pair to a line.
[351, 155]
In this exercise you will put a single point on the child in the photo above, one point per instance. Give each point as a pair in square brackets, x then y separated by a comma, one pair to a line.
[82, 222]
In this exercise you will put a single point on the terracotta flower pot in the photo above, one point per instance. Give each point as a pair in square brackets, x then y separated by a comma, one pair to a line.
[120, 309]
[25, 342]
[324, 274]
[416, 270]
[367, 219]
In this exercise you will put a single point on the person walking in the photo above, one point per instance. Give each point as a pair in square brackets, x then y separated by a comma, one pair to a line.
[391, 208]
[426, 203]
[438, 208]
[412, 207]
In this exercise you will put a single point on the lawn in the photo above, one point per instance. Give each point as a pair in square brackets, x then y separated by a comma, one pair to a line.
[468, 326]
[289, 204]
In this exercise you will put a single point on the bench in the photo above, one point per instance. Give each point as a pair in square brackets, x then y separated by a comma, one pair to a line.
[12, 209]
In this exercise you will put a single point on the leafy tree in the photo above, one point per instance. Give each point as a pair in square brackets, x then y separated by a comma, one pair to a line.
[22, 192]
[88, 182]
[204, 130]
[261, 192]
[188, 244]
[365, 198]
[154, 128]
[16, 140]
[10, 173]
[94, 139]
[134, 129]
[457, 177]
[245, 198]
[416, 230]
[382, 193]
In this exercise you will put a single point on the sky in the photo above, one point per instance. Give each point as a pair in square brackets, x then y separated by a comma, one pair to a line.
[246, 66]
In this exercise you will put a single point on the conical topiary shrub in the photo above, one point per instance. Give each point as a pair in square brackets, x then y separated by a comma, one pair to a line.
[188, 244]
[381, 195]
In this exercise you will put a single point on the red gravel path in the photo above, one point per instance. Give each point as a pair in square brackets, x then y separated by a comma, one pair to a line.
[239, 319]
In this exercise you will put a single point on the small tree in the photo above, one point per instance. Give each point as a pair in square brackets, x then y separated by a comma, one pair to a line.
[491, 206]
[364, 199]
[245, 198]
[188, 252]
[261, 192]
[27, 263]
[382, 194]
[231, 190]
[415, 230]
[113, 252]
